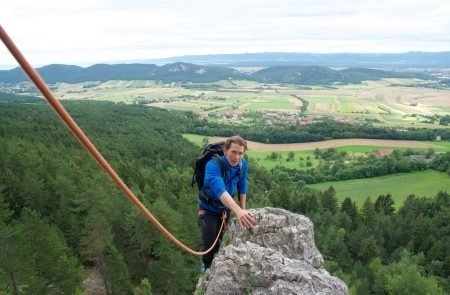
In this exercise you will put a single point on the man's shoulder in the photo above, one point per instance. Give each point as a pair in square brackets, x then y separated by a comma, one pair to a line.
[215, 162]
[244, 163]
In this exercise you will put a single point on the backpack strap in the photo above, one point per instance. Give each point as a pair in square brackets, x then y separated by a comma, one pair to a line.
[222, 167]
[202, 196]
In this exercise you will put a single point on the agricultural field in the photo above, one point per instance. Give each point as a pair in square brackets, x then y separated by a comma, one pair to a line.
[387, 102]
[304, 152]
[425, 183]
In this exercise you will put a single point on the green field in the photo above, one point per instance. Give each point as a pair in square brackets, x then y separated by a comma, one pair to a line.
[300, 160]
[422, 184]
[194, 138]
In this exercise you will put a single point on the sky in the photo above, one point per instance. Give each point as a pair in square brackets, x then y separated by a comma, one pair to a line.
[84, 32]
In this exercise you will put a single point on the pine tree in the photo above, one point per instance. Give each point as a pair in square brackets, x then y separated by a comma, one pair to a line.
[115, 271]
[385, 204]
[329, 200]
[146, 287]
[57, 268]
[368, 211]
[20, 275]
[5, 212]
[349, 207]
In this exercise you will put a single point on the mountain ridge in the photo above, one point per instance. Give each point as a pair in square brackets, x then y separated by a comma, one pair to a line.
[187, 72]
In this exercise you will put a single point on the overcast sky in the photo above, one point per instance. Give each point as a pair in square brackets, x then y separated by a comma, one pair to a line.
[84, 32]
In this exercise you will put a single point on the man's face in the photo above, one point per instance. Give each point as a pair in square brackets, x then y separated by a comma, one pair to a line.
[234, 154]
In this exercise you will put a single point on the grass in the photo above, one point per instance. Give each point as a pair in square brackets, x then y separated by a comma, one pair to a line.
[194, 138]
[299, 161]
[425, 183]
[443, 144]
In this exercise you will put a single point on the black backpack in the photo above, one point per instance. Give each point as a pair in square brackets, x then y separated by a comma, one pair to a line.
[212, 150]
[215, 151]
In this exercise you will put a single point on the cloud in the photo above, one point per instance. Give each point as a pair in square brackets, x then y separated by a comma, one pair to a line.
[85, 31]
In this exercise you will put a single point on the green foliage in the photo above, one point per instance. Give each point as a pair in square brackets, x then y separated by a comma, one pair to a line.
[59, 212]
[250, 283]
[115, 272]
[146, 288]
[325, 130]
[44, 168]
[36, 256]
[385, 204]
[405, 277]
[445, 120]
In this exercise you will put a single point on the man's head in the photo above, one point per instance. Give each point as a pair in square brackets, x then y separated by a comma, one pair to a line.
[234, 149]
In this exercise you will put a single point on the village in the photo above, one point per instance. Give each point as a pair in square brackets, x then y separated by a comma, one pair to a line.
[280, 117]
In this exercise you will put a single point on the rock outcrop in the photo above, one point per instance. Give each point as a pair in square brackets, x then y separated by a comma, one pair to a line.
[278, 256]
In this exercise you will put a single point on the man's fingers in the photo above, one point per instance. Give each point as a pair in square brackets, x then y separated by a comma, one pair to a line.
[247, 221]
[250, 219]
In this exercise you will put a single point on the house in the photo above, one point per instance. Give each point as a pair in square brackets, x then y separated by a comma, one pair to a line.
[381, 153]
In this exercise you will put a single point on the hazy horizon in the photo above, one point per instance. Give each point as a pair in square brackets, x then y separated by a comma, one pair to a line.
[161, 61]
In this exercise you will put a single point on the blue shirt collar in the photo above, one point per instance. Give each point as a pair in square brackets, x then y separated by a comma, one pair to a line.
[224, 159]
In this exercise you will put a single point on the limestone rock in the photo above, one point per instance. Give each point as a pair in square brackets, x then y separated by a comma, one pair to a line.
[278, 256]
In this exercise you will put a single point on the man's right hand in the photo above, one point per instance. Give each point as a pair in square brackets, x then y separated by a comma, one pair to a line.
[246, 219]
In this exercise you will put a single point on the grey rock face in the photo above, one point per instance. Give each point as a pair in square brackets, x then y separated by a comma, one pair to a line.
[278, 256]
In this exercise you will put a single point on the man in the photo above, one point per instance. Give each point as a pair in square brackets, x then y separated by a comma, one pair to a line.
[218, 192]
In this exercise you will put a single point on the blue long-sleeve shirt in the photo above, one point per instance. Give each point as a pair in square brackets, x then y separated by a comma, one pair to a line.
[215, 185]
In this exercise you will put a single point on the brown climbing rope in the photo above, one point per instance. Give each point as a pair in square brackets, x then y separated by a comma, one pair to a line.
[88, 145]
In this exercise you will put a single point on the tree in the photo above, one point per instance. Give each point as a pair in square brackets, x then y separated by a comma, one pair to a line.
[368, 211]
[329, 200]
[16, 262]
[291, 156]
[5, 212]
[350, 208]
[406, 277]
[385, 204]
[97, 235]
[56, 267]
[115, 271]
[369, 249]
[317, 153]
[146, 287]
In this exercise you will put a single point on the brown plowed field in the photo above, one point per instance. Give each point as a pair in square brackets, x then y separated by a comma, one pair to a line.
[263, 147]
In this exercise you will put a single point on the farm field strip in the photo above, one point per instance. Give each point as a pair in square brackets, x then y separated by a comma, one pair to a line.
[425, 183]
[257, 146]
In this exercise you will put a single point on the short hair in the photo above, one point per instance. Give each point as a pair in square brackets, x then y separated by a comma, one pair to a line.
[237, 140]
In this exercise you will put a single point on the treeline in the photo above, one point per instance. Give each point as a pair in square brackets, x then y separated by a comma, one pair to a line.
[326, 130]
[337, 166]
[61, 217]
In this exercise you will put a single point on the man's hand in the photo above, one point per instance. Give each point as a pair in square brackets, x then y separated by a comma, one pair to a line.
[246, 219]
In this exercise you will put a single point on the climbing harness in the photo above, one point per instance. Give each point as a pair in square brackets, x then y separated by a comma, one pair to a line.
[88, 145]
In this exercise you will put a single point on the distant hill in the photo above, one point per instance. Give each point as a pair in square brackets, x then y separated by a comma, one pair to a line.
[337, 60]
[313, 75]
[185, 72]
[180, 72]
[8, 97]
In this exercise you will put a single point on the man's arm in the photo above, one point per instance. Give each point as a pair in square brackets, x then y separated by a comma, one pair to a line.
[243, 200]
[245, 218]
